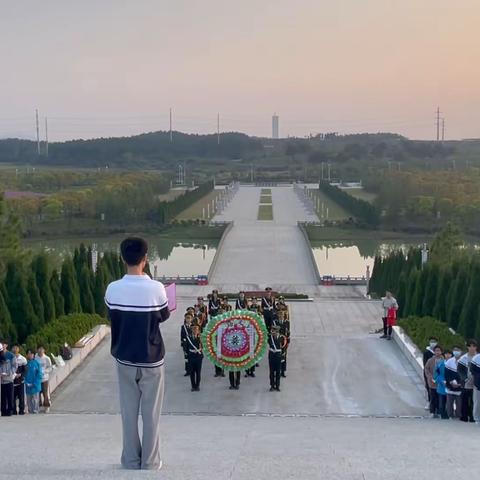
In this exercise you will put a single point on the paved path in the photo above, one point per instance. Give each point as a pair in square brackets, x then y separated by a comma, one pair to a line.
[334, 367]
[86, 447]
[260, 253]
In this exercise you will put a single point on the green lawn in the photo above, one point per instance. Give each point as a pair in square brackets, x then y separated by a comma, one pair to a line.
[335, 212]
[266, 191]
[194, 212]
[265, 212]
[265, 199]
[361, 194]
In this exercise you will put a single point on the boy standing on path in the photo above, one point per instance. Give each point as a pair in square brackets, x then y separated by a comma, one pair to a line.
[136, 307]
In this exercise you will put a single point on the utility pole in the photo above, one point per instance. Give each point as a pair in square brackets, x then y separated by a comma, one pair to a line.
[46, 137]
[437, 122]
[38, 131]
[171, 133]
[218, 128]
[443, 129]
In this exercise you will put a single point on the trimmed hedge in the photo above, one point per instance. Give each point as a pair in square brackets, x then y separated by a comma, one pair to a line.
[420, 329]
[68, 328]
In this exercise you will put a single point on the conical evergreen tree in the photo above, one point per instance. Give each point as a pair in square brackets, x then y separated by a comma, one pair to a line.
[445, 282]
[99, 290]
[19, 305]
[372, 286]
[7, 328]
[69, 287]
[42, 277]
[86, 296]
[401, 294]
[35, 298]
[410, 292]
[431, 289]
[417, 301]
[468, 316]
[57, 294]
[456, 297]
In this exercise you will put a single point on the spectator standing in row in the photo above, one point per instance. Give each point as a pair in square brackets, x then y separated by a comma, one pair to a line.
[475, 371]
[453, 384]
[8, 368]
[440, 382]
[427, 355]
[467, 381]
[33, 382]
[46, 365]
[19, 382]
[430, 367]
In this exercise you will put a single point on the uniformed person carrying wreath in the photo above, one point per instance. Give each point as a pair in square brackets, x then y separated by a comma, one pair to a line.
[213, 304]
[241, 302]
[276, 343]
[284, 326]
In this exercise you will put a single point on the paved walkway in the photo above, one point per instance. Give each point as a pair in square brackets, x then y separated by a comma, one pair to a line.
[334, 367]
[260, 253]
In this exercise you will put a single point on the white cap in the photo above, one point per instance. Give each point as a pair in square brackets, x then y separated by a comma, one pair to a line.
[1, 347]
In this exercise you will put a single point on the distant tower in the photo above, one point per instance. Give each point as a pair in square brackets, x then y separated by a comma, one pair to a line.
[275, 121]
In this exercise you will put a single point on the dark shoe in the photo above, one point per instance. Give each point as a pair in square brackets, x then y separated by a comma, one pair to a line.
[192, 390]
[231, 388]
[197, 389]
[216, 375]
[272, 389]
[246, 375]
[222, 374]
[283, 375]
[186, 374]
[237, 388]
[252, 375]
[383, 336]
[278, 389]
[389, 337]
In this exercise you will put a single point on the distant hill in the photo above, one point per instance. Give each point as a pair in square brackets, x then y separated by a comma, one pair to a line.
[149, 149]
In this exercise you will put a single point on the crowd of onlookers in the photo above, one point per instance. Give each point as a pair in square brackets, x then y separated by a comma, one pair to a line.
[452, 381]
[24, 380]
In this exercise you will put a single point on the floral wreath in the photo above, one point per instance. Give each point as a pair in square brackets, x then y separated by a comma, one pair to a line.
[235, 340]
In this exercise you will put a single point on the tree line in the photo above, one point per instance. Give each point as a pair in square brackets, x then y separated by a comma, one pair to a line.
[445, 287]
[362, 210]
[34, 294]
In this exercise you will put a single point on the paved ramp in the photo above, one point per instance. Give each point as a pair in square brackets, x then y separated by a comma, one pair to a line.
[260, 253]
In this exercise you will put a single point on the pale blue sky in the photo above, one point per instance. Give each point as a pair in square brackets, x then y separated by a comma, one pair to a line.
[114, 67]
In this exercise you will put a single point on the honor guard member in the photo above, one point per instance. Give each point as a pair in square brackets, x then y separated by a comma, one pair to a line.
[285, 332]
[213, 304]
[254, 306]
[281, 305]
[195, 357]
[202, 312]
[241, 302]
[185, 332]
[234, 378]
[275, 344]
[225, 305]
[268, 307]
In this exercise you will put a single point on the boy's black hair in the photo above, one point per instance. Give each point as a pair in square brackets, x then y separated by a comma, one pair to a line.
[448, 351]
[472, 343]
[438, 346]
[133, 250]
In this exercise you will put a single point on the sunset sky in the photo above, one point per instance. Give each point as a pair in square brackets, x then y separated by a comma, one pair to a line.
[114, 67]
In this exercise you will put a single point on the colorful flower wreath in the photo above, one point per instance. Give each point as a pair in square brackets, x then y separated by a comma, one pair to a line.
[235, 340]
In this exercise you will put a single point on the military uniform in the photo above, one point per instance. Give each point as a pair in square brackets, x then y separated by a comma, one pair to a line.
[185, 331]
[285, 332]
[268, 310]
[253, 307]
[275, 346]
[195, 357]
[241, 304]
[213, 305]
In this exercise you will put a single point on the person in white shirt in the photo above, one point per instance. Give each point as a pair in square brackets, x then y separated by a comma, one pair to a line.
[388, 302]
[46, 364]
[19, 382]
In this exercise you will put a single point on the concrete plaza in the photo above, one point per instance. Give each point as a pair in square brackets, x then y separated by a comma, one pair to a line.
[351, 407]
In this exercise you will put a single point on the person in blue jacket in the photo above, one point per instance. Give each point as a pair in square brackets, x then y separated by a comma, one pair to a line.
[439, 378]
[33, 382]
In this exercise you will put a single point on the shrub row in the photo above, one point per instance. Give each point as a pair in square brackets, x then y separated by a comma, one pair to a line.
[421, 329]
[66, 329]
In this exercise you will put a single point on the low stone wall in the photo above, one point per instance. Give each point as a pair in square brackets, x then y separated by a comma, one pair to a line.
[409, 349]
[59, 374]
[211, 270]
[310, 252]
